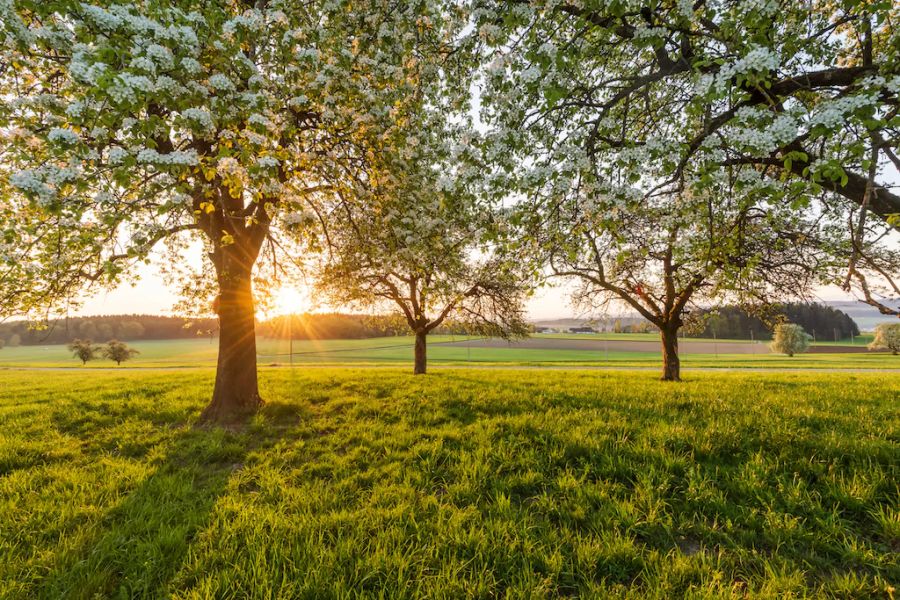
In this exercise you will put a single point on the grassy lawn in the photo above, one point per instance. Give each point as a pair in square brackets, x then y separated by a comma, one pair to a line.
[399, 351]
[525, 484]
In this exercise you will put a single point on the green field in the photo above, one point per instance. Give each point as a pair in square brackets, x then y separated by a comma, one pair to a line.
[399, 351]
[860, 340]
[375, 483]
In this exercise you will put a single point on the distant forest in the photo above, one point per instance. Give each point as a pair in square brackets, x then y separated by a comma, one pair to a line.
[732, 322]
[106, 327]
[154, 327]
[340, 326]
[823, 322]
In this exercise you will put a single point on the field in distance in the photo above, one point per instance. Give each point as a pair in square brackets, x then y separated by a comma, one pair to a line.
[458, 484]
[632, 350]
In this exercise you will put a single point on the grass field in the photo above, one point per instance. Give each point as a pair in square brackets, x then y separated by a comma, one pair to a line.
[399, 351]
[860, 340]
[526, 484]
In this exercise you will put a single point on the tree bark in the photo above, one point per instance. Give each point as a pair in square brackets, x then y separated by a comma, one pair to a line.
[421, 353]
[236, 394]
[671, 363]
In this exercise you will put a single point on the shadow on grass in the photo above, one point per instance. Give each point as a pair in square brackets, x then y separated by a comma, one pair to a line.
[138, 546]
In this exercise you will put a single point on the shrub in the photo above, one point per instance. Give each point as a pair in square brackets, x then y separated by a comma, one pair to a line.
[887, 337]
[789, 339]
[84, 350]
[119, 351]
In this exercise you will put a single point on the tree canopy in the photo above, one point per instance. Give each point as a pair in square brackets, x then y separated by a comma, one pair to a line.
[646, 97]
[426, 240]
[125, 125]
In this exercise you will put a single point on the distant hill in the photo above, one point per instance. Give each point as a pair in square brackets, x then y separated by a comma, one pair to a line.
[866, 317]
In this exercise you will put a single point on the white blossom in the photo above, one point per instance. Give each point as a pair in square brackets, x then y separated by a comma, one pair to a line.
[178, 157]
[61, 135]
[221, 83]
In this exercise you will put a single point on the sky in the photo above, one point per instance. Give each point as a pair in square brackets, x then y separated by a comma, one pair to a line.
[150, 295]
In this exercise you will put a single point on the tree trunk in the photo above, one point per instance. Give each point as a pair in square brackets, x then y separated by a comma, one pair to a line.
[421, 358]
[671, 362]
[236, 393]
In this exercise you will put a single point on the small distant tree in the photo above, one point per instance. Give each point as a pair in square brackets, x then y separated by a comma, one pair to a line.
[84, 350]
[790, 339]
[119, 351]
[887, 337]
[2, 343]
[15, 340]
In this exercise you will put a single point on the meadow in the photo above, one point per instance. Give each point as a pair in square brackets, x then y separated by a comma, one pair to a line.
[461, 483]
[448, 351]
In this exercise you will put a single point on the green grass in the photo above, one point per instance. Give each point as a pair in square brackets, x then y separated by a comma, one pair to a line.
[524, 484]
[399, 351]
[860, 340]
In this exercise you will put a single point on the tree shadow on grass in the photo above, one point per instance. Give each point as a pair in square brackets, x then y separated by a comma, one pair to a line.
[138, 546]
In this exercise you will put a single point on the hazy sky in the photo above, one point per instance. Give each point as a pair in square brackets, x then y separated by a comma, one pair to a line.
[150, 295]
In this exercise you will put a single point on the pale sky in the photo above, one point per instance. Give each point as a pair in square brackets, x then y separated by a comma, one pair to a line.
[150, 295]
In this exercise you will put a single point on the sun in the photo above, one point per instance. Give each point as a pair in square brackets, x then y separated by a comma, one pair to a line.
[290, 300]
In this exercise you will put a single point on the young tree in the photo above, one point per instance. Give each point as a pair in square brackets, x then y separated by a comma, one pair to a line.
[118, 351]
[124, 126]
[789, 339]
[429, 255]
[424, 241]
[84, 350]
[887, 337]
[15, 340]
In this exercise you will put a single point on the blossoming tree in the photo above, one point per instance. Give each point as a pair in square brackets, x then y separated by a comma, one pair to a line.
[803, 92]
[426, 242]
[666, 257]
[128, 125]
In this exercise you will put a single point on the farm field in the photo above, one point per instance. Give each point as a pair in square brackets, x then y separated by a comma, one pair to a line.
[460, 483]
[540, 350]
[860, 340]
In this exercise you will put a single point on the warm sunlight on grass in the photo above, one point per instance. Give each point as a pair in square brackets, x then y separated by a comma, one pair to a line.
[354, 483]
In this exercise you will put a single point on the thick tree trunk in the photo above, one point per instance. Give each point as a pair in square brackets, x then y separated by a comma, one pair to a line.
[421, 354]
[236, 393]
[671, 363]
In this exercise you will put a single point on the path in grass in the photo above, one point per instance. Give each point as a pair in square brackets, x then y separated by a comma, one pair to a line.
[531, 484]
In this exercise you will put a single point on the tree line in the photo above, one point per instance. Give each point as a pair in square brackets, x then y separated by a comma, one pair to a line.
[105, 328]
[733, 322]
[319, 326]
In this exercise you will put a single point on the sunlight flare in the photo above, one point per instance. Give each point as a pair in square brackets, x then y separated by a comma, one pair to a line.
[290, 300]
